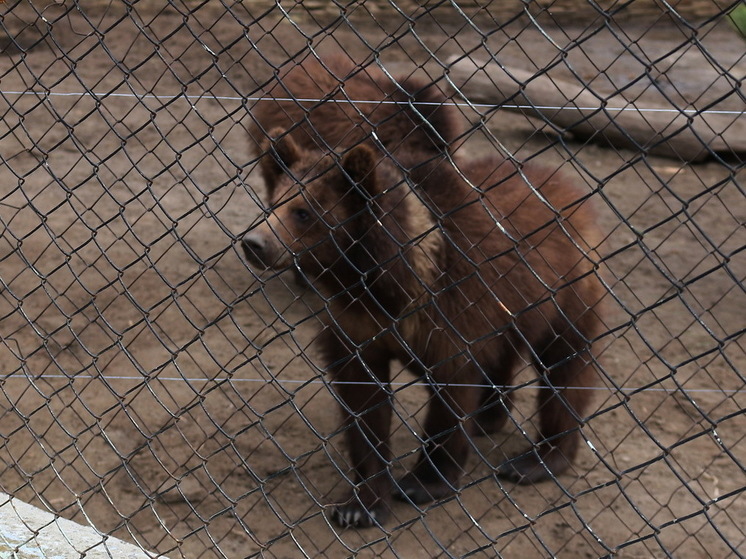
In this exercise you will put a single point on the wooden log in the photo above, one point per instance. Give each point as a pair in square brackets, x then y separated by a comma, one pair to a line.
[687, 136]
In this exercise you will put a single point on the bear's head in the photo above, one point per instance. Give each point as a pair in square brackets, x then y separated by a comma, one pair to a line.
[320, 207]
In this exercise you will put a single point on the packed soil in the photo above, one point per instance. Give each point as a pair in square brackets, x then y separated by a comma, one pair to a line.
[156, 387]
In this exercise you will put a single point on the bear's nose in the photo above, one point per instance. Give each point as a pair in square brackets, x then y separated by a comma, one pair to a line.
[255, 247]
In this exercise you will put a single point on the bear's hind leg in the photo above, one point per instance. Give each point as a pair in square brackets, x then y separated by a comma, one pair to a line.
[563, 399]
[493, 412]
[446, 444]
[496, 399]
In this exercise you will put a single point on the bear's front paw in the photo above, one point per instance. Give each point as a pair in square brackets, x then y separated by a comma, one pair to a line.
[355, 515]
[412, 489]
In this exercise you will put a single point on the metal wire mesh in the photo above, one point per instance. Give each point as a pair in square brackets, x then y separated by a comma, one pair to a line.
[156, 387]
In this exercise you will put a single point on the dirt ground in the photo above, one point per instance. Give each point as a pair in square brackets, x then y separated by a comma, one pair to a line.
[153, 385]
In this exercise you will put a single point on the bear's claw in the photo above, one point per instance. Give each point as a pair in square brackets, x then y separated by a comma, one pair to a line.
[354, 515]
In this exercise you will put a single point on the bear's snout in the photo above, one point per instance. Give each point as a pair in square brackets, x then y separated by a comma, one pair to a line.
[264, 247]
[255, 248]
[263, 250]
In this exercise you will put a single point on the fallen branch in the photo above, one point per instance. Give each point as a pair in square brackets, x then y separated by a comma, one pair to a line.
[689, 136]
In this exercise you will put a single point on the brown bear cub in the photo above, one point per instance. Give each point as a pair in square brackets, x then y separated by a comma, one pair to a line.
[459, 273]
[331, 104]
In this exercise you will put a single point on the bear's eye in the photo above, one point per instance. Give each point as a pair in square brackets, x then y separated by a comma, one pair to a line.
[301, 214]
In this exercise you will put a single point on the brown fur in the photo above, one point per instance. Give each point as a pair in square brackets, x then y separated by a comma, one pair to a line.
[356, 105]
[455, 279]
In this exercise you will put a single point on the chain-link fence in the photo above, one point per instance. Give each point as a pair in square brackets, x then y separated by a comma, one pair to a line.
[505, 244]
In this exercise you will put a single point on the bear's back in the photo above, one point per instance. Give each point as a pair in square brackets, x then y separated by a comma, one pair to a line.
[333, 104]
[529, 227]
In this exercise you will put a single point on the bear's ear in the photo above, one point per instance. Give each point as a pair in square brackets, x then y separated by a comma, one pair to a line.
[282, 152]
[360, 165]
